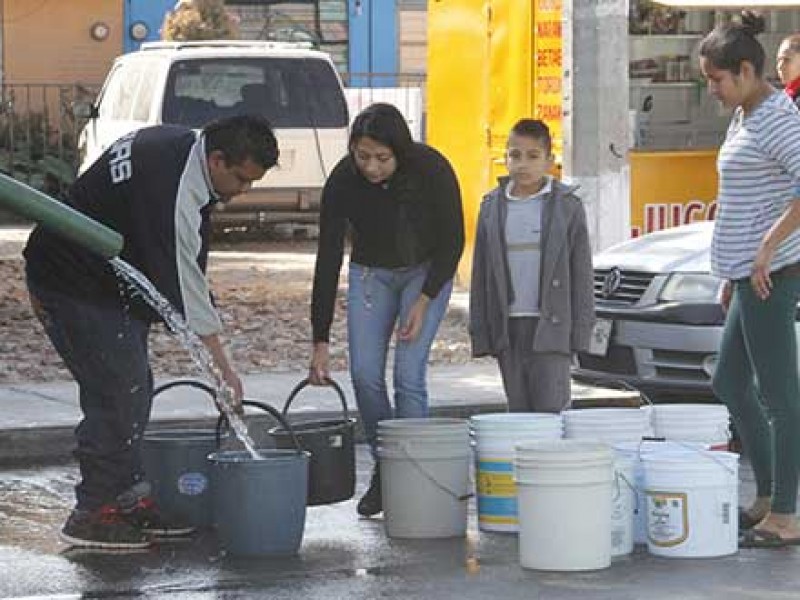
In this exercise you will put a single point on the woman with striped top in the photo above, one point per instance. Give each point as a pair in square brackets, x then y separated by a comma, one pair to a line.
[756, 251]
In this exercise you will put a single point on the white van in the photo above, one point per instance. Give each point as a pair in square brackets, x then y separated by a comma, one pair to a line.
[192, 83]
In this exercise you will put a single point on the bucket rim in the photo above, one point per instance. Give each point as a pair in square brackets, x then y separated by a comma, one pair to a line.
[509, 418]
[646, 446]
[322, 425]
[174, 433]
[679, 406]
[680, 455]
[562, 446]
[430, 421]
[607, 410]
[268, 455]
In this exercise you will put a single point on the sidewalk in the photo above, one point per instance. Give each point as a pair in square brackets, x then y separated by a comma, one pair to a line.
[37, 420]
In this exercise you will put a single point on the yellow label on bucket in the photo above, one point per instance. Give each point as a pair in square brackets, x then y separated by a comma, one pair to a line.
[496, 478]
[667, 518]
[497, 520]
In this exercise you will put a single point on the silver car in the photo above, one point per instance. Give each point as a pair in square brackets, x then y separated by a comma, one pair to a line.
[659, 322]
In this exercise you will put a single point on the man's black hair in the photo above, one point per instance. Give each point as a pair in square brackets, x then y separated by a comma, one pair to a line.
[241, 137]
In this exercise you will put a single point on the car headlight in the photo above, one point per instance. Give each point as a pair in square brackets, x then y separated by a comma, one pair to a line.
[690, 287]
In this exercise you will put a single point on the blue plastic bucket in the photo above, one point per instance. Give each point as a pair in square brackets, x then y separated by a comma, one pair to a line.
[260, 505]
[176, 465]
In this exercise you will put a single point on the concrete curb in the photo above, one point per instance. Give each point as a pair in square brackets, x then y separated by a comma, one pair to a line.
[38, 420]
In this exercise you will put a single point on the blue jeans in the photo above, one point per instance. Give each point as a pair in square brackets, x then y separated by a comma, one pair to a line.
[377, 301]
[105, 350]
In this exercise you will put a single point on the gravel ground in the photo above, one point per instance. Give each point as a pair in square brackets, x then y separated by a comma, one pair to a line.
[262, 290]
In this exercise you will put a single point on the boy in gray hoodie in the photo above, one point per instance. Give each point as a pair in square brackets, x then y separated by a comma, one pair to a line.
[531, 295]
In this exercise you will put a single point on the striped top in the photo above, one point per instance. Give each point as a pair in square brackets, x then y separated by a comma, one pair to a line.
[758, 165]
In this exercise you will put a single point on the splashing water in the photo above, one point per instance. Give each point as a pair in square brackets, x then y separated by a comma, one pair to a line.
[199, 353]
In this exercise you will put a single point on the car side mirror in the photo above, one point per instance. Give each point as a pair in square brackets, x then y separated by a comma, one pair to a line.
[84, 110]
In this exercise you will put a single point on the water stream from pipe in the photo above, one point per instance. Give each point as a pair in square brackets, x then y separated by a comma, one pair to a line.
[189, 339]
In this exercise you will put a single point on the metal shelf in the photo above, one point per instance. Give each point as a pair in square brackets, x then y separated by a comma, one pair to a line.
[668, 84]
[661, 36]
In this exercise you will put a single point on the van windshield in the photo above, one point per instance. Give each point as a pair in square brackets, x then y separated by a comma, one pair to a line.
[290, 92]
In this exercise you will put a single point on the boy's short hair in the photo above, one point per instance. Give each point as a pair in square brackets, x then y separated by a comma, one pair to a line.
[536, 129]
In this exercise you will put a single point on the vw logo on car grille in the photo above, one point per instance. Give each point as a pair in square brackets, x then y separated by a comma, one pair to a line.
[611, 282]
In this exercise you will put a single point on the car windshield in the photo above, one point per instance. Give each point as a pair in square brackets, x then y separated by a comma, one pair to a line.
[290, 92]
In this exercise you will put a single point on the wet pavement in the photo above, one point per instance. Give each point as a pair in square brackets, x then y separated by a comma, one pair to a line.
[343, 556]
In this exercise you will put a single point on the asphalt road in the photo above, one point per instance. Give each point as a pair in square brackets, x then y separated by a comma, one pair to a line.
[345, 557]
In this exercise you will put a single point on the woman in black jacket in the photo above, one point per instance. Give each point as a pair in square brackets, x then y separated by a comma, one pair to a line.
[401, 203]
[788, 66]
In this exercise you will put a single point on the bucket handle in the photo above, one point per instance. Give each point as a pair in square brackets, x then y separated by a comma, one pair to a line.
[703, 453]
[620, 475]
[432, 479]
[223, 421]
[305, 383]
[201, 385]
[624, 385]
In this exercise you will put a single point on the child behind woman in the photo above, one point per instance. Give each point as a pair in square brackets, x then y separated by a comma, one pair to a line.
[531, 297]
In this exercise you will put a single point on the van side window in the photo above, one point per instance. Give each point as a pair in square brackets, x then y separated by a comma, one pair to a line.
[126, 93]
[110, 93]
[144, 95]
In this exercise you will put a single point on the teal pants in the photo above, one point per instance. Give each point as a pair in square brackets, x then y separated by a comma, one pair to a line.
[757, 378]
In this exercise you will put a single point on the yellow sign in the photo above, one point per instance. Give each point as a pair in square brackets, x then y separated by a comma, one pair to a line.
[547, 68]
[672, 188]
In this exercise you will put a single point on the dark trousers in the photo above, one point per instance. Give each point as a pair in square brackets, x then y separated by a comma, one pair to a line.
[533, 381]
[757, 378]
[106, 351]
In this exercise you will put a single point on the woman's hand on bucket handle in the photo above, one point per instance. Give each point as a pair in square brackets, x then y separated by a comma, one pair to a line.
[319, 371]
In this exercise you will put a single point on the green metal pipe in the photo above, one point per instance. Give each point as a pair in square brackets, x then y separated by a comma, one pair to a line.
[59, 218]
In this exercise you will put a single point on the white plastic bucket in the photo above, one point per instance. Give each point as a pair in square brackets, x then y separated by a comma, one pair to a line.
[706, 423]
[691, 503]
[424, 477]
[564, 490]
[494, 437]
[610, 425]
[623, 504]
[635, 451]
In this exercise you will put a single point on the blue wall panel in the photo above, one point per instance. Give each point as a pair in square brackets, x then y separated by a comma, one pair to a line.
[149, 12]
[373, 42]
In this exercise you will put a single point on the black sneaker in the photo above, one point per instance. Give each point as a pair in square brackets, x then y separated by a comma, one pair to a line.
[371, 503]
[103, 528]
[144, 514]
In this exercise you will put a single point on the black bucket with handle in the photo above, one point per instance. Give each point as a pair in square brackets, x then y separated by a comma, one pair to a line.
[331, 443]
